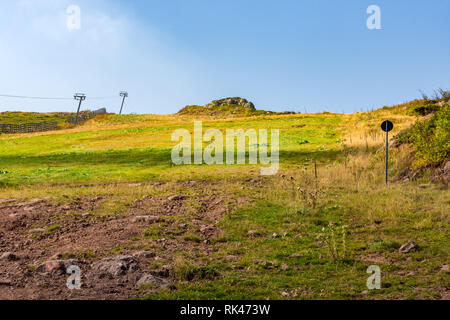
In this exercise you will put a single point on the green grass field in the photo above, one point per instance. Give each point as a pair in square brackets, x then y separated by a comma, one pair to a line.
[290, 236]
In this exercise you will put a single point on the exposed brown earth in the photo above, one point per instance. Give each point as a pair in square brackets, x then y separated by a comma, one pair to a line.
[120, 256]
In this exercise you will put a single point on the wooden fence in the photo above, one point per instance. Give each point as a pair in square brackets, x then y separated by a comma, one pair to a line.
[28, 127]
[85, 116]
[46, 126]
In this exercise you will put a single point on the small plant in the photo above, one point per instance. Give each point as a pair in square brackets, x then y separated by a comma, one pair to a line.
[53, 228]
[335, 239]
[193, 238]
[186, 271]
[310, 197]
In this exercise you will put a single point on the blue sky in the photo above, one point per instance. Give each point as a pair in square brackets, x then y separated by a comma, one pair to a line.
[282, 55]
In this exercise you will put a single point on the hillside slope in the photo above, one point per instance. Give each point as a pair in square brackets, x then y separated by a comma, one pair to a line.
[108, 188]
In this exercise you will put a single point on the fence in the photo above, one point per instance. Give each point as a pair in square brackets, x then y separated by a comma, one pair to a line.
[28, 127]
[85, 116]
[46, 126]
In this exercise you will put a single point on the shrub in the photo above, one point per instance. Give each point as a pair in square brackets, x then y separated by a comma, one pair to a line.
[431, 139]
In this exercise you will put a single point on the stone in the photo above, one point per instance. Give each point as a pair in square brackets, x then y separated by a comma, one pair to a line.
[163, 272]
[151, 280]
[176, 198]
[207, 228]
[136, 184]
[145, 254]
[116, 266]
[264, 263]
[5, 282]
[86, 215]
[56, 266]
[38, 230]
[9, 256]
[149, 219]
[237, 101]
[445, 267]
[6, 201]
[56, 256]
[284, 267]
[408, 247]
[253, 233]
[295, 255]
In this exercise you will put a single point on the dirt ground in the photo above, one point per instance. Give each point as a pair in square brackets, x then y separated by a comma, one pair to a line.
[120, 257]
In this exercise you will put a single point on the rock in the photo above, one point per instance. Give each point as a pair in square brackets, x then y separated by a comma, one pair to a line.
[9, 256]
[136, 184]
[116, 266]
[5, 282]
[164, 271]
[38, 230]
[408, 247]
[284, 267]
[445, 267]
[151, 280]
[295, 255]
[149, 219]
[230, 102]
[56, 266]
[6, 201]
[86, 215]
[176, 198]
[264, 263]
[365, 292]
[253, 233]
[145, 254]
[56, 256]
[207, 228]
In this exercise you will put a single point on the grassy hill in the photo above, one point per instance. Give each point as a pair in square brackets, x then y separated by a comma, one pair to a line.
[32, 117]
[302, 234]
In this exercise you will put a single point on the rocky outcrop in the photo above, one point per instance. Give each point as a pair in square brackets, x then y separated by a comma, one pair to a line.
[232, 102]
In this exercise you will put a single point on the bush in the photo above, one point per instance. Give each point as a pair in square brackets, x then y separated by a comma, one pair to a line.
[431, 139]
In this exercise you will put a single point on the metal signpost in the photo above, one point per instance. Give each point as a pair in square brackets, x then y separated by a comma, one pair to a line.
[81, 97]
[387, 126]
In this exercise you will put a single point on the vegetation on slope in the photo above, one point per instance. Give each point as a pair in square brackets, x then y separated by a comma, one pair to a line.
[296, 235]
[228, 107]
[429, 137]
[14, 117]
[228, 110]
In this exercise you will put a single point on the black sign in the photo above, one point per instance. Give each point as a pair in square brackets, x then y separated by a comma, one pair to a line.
[387, 126]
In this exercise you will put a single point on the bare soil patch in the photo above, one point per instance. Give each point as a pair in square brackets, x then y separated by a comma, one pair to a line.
[120, 256]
